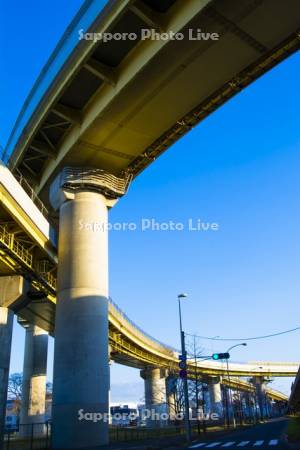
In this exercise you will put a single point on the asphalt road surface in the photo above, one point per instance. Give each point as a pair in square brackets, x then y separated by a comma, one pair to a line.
[261, 437]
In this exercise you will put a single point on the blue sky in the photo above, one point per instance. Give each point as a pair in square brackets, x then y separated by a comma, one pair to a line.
[239, 168]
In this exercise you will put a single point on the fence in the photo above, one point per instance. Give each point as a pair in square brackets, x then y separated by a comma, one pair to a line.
[34, 436]
[122, 434]
[38, 436]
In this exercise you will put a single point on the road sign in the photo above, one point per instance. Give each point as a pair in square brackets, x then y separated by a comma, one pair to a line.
[183, 373]
[182, 364]
[182, 357]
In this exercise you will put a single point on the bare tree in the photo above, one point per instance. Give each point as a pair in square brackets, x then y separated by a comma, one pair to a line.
[49, 389]
[14, 391]
[15, 386]
[196, 388]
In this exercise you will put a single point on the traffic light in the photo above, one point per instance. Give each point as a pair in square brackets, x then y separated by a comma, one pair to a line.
[182, 366]
[217, 356]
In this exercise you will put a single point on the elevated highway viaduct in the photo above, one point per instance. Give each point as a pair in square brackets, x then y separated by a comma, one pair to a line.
[28, 260]
[100, 113]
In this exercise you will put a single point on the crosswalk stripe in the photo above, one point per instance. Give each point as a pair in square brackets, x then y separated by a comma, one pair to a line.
[200, 444]
[272, 442]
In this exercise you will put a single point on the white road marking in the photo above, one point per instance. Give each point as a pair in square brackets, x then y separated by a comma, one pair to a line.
[213, 444]
[272, 442]
[200, 444]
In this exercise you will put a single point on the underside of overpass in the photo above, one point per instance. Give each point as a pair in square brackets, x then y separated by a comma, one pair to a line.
[118, 105]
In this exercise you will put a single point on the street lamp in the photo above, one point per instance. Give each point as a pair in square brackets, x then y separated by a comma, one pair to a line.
[229, 385]
[185, 383]
[179, 297]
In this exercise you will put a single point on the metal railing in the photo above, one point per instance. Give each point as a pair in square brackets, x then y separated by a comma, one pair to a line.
[24, 257]
[140, 330]
[25, 185]
[35, 436]
[15, 246]
[123, 434]
[31, 193]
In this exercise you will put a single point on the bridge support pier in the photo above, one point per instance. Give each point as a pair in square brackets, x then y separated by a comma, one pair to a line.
[171, 383]
[81, 360]
[260, 388]
[215, 396]
[109, 392]
[155, 396]
[6, 328]
[11, 289]
[33, 405]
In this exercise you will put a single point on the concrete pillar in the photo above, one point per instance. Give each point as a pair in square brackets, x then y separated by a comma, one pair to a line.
[215, 395]
[250, 404]
[109, 392]
[260, 387]
[81, 371]
[171, 383]
[12, 289]
[33, 404]
[155, 395]
[6, 328]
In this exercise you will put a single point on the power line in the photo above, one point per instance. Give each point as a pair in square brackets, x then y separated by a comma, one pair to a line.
[246, 339]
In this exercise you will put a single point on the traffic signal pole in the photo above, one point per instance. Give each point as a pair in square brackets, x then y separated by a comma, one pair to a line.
[185, 393]
[183, 375]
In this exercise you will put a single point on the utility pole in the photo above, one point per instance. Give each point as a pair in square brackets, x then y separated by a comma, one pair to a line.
[196, 388]
[186, 394]
[184, 375]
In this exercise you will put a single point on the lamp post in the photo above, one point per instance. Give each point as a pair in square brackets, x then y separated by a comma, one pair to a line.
[229, 386]
[185, 383]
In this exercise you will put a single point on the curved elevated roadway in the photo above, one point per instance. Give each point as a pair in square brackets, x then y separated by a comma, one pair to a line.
[28, 248]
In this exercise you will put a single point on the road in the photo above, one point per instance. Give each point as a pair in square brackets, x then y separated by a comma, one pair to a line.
[261, 437]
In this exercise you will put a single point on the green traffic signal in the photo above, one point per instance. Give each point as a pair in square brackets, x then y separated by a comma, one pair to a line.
[217, 356]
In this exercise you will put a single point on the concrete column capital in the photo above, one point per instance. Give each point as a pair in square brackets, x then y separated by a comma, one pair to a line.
[258, 379]
[214, 380]
[153, 373]
[12, 289]
[73, 180]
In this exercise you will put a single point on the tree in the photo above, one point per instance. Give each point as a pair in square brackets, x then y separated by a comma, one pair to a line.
[49, 389]
[15, 386]
[14, 390]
